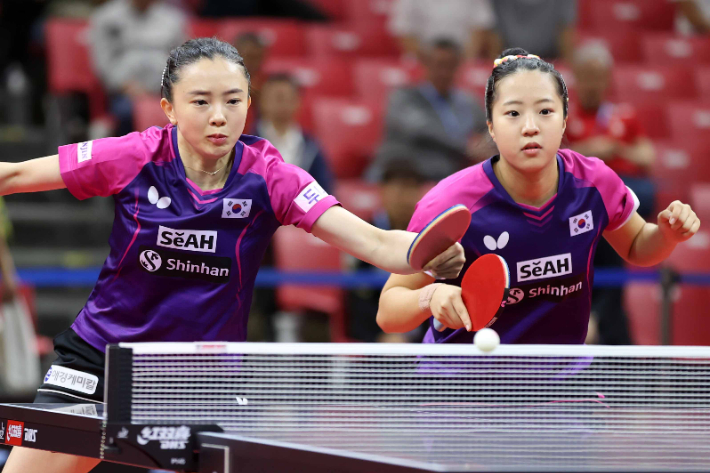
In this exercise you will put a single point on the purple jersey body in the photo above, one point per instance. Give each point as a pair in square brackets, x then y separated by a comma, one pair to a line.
[549, 250]
[183, 262]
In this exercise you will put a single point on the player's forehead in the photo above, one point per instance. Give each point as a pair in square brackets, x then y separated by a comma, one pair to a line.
[527, 87]
[216, 76]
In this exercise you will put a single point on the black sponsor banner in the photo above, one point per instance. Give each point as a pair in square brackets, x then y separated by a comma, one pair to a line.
[175, 264]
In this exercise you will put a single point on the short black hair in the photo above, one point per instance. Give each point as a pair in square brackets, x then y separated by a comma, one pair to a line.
[522, 63]
[192, 51]
[249, 37]
[445, 43]
[403, 169]
[283, 77]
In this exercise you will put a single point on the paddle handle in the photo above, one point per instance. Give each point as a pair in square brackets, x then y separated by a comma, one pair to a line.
[438, 326]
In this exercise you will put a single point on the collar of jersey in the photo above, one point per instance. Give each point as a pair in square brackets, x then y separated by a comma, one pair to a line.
[238, 151]
[488, 168]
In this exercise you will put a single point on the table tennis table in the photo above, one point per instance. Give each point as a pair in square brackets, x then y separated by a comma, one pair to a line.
[388, 408]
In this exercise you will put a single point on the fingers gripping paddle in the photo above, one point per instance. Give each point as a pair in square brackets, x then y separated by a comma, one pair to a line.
[446, 229]
[483, 288]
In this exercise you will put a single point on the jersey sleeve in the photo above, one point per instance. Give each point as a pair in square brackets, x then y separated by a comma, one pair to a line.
[296, 198]
[105, 166]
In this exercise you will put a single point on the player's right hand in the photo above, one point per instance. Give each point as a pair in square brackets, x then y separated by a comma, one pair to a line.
[448, 308]
[448, 264]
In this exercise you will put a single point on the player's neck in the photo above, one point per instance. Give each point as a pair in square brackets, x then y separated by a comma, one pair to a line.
[207, 174]
[529, 189]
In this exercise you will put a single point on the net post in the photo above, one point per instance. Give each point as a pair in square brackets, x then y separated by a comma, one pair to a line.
[119, 383]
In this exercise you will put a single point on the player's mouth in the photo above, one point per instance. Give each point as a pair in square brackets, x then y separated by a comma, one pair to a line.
[532, 149]
[217, 139]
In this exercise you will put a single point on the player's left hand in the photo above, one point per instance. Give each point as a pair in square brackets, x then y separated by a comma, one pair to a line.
[678, 222]
[448, 264]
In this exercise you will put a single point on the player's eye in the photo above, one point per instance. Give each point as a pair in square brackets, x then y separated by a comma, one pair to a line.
[234, 101]
[512, 113]
[200, 102]
[545, 111]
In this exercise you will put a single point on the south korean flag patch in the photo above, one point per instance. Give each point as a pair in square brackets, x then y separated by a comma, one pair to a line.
[581, 223]
[236, 208]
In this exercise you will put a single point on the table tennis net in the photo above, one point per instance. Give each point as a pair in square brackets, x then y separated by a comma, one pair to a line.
[566, 406]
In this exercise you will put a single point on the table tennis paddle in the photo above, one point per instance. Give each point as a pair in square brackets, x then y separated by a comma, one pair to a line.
[483, 289]
[443, 231]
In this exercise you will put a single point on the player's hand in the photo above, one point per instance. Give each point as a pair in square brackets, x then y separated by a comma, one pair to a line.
[448, 264]
[448, 308]
[678, 222]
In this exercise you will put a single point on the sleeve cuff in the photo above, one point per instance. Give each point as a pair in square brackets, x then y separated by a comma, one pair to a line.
[314, 214]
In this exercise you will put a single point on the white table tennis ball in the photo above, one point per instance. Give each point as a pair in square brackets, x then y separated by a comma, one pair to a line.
[486, 340]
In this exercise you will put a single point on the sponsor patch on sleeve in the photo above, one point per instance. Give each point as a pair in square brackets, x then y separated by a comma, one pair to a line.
[71, 379]
[310, 196]
[83, 151]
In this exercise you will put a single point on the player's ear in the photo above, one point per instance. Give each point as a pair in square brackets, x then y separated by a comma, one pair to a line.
[564, 126]
[490, 130]
[249, 102]
[168, 110]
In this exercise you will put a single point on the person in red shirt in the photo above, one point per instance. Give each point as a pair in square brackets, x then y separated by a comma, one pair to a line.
[612, 132]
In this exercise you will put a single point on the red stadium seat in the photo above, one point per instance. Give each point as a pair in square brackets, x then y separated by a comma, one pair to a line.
[669, 49]
[370, 12]
[689, 321]
[692, 255]
[682, 162]
[375, 78]
[201, 28]
[359, 197]
[690, 121]
[700, 200]
[355, 41]
[350, 131]
[284, 38]
[653, 119]
[69, 66]
[147, 112]
[653, 84]
[297, 250]
[702, 82]
[606, 15]
[329, 78]
[473, 77]
[624, 44]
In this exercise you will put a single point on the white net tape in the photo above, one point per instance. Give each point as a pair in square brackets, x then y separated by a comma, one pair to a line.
[522, 408]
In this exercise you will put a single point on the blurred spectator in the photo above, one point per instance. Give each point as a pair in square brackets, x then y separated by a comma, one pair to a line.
[693, 16]
[296, 9]
[280, 101]
[543, 27]
[130, 42]
[436, 127]
[254, 51]
[465, 22]
[401, 189]
[611, 132]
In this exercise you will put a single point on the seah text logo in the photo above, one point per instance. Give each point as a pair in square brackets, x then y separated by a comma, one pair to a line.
[83, 151]
[543, 268]
[194, 240]
[170, 438]
[181, 265]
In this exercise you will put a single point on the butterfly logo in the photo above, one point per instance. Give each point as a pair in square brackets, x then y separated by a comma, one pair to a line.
[155, 199]
[493, 244]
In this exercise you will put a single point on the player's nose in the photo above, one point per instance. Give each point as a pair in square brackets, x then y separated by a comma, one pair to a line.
[218, 118]
[530, 126]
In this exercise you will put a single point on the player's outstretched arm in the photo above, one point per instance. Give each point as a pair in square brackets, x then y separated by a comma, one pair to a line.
[385, 249]
[647, 244]
[407, 301]
[35, 175]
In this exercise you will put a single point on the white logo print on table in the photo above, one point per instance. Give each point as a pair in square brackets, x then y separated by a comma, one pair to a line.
[493, 244]
[155, 199]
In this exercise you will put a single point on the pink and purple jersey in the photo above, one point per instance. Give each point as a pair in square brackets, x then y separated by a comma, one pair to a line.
[549, 250]
[183, 262]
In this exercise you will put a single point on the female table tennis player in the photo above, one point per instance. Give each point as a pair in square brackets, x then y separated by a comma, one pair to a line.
[542, 209]
[196, 205]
